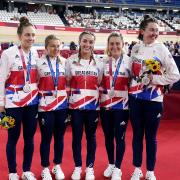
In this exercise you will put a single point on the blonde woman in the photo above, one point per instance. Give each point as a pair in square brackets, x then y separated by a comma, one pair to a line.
[114, 103]
[53, 106]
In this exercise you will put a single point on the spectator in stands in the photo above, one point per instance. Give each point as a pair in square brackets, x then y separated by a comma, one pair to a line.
[72, 45]
[126, 48]
[156, 1]
[130, 47]
[52, 106]
[171, 47]
[20, 10]
[177, 49]
[114, 103]
[62, 45]
[85, 73]
[11, 44]
[19, 96]
[4, 46]
[152, 67]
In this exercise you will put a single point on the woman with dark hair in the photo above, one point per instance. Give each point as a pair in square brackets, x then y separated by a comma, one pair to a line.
[19, 96]
[52, 106]
[72, 46]
[114, 103]
[85, 73]
[152, 68]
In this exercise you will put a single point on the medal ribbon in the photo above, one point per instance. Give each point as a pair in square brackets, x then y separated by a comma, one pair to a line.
[113, 78]
[53, 74]
[27, 68]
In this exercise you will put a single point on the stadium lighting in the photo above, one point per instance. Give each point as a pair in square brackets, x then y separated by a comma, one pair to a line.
[107, 7]
[47, 4]
[159, 9]
[88, 6]
[125, 8]
[143, 9]
[175, 10]
[31, 3]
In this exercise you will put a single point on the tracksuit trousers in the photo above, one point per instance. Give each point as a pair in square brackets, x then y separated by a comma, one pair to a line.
[145, 118]
[28, 117]
[114, 124]
[89, 119]
[52, 123]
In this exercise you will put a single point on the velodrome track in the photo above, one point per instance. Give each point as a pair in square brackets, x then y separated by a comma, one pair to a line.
[8, 34]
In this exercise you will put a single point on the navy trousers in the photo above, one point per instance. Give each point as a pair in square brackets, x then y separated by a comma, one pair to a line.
[89, 118]
[28, 117]
[114, 124]
[145, 117]
[52, 123]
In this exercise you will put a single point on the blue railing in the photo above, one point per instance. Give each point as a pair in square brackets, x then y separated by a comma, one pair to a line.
[140, 2]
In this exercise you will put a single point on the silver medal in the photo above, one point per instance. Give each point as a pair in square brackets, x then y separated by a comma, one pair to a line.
[111, 93]
[145, 80]
[27, 88]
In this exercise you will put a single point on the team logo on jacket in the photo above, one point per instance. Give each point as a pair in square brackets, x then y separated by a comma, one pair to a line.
[17, 56]
[20, 68]
[47, 73]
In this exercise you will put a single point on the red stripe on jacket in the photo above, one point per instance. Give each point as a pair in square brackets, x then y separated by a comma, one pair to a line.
[120, 84]
[17, 77]
[84, 82]
[47, 83]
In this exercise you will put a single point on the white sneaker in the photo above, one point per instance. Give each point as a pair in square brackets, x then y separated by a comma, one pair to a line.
[76, 175]
[57, 171]
[13, 176]
[28, 175]
[45, 174]
[109, 170]
[137, 174]
[89, 174]
[150, 175]
[116, 175]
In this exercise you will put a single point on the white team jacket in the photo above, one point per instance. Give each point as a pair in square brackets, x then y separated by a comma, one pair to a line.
[12, 79]
[168, 73]
[48, 99]
[120, 99]
[84, 79]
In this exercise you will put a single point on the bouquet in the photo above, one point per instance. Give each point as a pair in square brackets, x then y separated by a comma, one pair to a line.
[6, 122]
[151, 66]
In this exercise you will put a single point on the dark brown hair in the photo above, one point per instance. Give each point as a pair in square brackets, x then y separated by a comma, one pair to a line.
[24, 22]
[80, 37]
[144, 23]
[49, 38]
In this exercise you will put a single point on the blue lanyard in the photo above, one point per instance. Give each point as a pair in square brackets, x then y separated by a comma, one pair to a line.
[28, 67]
[54, 76]
[117, 70]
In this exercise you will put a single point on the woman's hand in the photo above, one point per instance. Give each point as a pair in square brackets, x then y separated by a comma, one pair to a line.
[2, 109]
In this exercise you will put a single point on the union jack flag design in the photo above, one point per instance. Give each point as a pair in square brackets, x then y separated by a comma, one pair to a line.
[14, 77]
[120, 99]
[49, 99]
[85, 77]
